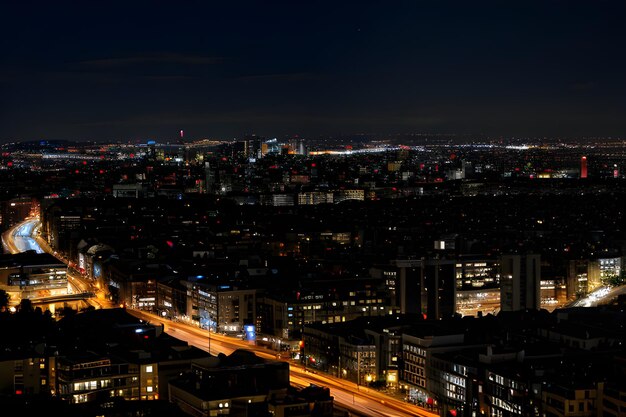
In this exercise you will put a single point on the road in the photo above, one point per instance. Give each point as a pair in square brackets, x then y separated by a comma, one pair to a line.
[358, 400]
[602, 295]
[19, 238]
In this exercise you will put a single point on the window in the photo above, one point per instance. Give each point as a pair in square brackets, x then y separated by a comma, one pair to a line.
[149, 389]
[149, 368]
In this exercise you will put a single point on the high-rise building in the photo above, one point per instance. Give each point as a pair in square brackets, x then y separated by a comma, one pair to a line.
[583, 167]
[407, 284]
[520, 282]
[426, 286]
[439, 278]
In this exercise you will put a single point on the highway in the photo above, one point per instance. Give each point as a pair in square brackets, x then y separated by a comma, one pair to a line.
[19, 238]
[602, 295]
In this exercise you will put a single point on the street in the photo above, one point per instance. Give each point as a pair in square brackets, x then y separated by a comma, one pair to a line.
[359, 400]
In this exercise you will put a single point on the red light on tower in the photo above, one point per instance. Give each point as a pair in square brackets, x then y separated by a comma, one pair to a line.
[583, 167]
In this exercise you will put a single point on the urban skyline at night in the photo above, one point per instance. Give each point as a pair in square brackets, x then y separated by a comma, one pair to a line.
[313, 209]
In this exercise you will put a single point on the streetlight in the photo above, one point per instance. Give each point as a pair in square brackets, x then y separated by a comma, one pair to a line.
[209, 334]
[358, 369]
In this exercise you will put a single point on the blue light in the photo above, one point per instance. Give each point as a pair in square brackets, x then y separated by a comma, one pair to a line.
[250, 332]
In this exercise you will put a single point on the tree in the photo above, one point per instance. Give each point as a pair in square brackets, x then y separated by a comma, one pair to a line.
[67, 311]
[26, 306]
[4, 300]
[614, 280]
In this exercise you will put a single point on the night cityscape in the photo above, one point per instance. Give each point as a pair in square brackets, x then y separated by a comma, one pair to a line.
[280, 209]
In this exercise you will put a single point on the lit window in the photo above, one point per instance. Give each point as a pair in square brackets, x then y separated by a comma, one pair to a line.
[149, 389]
[149, 368]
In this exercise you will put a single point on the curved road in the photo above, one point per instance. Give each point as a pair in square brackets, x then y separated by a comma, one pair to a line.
[358, 400]
[19, 238]
[602, 295]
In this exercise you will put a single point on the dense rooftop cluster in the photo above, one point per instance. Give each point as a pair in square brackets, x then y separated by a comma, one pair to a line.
[361, 252]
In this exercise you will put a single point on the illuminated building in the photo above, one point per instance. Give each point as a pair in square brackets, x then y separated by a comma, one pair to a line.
[610, 267]
[136, 190]
[583, 167]
[278, 200]
[296, 146]
[343, 195]
[507, 387]
[125, 358]
[418, 347]
[363, 350]
[477, 285]
[612, 399]
[476, 273]
[564, 401]
[82, 379]
[32, 275]
[24, 373]
[215, 385]
[454, 381]
[406, 284]
[314, 198]
[14, 211]
[583, 276]
[133, 284]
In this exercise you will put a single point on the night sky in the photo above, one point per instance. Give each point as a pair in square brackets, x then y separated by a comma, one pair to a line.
[128, 70]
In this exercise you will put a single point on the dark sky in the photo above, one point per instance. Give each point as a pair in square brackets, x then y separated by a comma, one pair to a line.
[119, 70]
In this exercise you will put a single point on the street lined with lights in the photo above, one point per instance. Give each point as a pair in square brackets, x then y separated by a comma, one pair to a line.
[358, 399]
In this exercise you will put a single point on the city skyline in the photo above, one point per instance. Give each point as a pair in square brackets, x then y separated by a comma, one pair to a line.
[147, 70]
